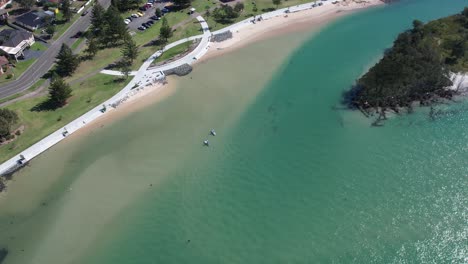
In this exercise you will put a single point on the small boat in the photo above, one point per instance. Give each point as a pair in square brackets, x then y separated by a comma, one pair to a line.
[212, 132]
[206, 143]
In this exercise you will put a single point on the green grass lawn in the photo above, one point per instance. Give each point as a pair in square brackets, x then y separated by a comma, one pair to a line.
[38, 46]
[189, 29]
[262, 7]
[174, 51]
[102, 59]
[20, 67]
[61, 28]
[86, 95]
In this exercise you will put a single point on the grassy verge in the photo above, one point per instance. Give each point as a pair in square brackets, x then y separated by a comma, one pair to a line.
[86, 95]
[38, 46]
[102, 59]
[61, 28]
[30, 89]
[192, 28]
[76, 43]
[251, 8]
[170, 53]
[19, 68]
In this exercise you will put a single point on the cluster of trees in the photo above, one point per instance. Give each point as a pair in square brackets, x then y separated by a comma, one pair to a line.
[123, 5]
[417, 67]
[107, 26]
[8, 119]
[66, 10]
[26, 3]
[182, 3]
[226, 13]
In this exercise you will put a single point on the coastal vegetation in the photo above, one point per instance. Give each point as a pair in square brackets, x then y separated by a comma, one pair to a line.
[8, 119]
[417, 68]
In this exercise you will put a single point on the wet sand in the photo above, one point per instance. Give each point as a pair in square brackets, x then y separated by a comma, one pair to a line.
[305, 21]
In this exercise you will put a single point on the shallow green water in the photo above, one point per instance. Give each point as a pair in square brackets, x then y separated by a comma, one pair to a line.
[290, 178]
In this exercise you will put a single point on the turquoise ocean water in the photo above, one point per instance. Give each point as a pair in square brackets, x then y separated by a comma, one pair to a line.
[293, 178]
[297, 180]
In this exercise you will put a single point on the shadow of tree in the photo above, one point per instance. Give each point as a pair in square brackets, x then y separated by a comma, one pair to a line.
[116, 80]
[3, 254]
[46, 105]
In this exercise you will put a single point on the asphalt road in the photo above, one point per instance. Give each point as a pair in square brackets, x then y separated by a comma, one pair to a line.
[47, 59]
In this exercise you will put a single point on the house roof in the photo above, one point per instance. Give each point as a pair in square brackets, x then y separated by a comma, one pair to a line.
[12, 38]
[3, 60]
[30, 19]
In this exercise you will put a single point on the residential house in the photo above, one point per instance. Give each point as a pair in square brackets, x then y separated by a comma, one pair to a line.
[14, 42]
[30, 20]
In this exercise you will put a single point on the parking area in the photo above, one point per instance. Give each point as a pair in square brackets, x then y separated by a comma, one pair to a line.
[136, 22]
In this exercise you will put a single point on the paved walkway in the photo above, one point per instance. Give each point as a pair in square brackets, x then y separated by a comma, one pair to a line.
[143, 77]
[198, 52]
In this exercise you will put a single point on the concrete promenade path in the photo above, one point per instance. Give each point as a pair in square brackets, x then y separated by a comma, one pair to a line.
[143, 77]
[197, 53]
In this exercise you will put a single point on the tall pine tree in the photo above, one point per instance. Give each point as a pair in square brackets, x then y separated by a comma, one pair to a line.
[67, 62]
[115, 29]
[165, 31]
[92, 48]
[129, 50]
[66, 10]
[97, 19]
[59, 92]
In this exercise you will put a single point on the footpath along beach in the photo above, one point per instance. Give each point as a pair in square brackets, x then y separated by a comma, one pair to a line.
[147, 80]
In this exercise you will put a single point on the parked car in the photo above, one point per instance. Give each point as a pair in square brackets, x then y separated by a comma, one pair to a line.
[151, 22]
[314, 5]
[165, 10]
[127, 21]
[130, 18]
[142, 8]
[84, 13]
[320, 4]
[135, 15]
[151, 1]
[140, 14]
[148, 5]
[141, 28]
[78, 34]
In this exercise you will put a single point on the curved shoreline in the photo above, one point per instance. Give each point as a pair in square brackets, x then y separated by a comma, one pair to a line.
[145, 76]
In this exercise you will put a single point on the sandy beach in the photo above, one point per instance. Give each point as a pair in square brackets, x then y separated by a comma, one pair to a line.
[139, 100]
[312, 19]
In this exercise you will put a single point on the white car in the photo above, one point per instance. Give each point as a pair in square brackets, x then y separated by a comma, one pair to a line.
[127, 21]
[135, 15]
